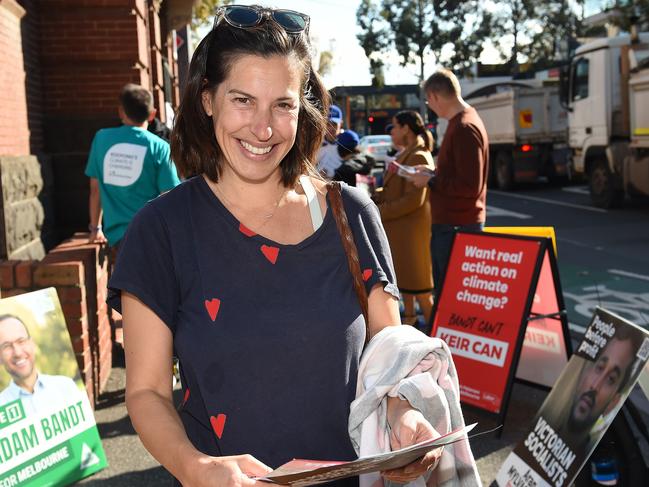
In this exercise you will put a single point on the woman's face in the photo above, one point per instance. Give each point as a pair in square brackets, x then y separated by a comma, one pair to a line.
[255, 113]
[398, 132]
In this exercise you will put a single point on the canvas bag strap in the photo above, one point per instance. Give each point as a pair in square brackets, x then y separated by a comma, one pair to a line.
[347, 237]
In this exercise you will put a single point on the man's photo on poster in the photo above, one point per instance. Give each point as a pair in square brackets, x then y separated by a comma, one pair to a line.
[585, 399]
[38, 364]
[594, 389]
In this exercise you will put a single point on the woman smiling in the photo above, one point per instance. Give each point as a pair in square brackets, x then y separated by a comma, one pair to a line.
[241, 273]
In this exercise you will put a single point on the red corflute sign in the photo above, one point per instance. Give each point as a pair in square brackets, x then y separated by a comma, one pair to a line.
[483, 309]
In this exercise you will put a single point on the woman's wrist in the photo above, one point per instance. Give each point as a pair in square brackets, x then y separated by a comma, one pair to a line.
[94, 228]
[396, 408]
[189, 461]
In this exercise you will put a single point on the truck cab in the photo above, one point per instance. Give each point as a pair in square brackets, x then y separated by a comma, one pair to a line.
[596, 89]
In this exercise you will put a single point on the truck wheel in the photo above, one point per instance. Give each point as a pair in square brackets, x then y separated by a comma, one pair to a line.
[603, 192]
[504, 171]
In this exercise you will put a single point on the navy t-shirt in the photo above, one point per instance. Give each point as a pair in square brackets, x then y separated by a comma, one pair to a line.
[269, 336]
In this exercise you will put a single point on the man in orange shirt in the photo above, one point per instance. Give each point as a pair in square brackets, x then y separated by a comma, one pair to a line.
[458, 187]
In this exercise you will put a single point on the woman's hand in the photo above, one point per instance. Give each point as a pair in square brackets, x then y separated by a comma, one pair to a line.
[408, 427]
[377, 196]
[422, 176]
[233, 471]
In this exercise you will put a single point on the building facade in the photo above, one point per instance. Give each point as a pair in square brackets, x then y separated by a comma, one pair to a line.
[63, 65]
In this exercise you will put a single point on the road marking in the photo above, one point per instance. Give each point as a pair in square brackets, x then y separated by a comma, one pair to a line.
[493, 211]
[545, 200]
[576, 189]
[629, 274]
[632, 306]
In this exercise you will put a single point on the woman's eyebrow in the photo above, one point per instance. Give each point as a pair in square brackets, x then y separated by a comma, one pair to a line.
[239, 92]
[235, 91]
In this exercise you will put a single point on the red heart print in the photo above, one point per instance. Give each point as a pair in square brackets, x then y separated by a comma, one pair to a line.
[186, 396]
[367, 273]
[246, 231]
[212, 307]
[270, 253]
[218, 423]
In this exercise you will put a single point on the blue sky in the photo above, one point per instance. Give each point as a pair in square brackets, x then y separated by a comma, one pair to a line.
[334, 28]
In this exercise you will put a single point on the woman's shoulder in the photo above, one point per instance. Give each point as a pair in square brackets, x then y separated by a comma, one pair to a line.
[172, 204]
[420, 156]
[354, 199]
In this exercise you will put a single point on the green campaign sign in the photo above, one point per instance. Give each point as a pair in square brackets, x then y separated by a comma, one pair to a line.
[48, 435]
[11, 412]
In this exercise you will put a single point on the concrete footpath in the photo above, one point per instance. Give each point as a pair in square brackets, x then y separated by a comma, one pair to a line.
[131, 465]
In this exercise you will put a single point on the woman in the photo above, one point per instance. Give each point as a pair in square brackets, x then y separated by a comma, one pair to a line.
[405, 212]
[238, 274]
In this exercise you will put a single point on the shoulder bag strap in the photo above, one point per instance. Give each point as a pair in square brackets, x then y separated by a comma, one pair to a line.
[347, 237]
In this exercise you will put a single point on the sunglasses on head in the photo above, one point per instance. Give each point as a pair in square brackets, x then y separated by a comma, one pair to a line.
[245, 17]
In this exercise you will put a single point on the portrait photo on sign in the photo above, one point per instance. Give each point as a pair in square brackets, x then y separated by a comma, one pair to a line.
[48, 434]
[34, 340]
[582, 404]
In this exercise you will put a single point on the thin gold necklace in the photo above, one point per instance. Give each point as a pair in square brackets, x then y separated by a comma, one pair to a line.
[266, 217]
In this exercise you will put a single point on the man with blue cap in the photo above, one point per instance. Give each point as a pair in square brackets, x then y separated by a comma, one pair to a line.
[334, 127]
[328, 159]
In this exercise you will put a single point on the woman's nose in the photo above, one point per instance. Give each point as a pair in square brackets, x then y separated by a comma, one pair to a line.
[261, 126]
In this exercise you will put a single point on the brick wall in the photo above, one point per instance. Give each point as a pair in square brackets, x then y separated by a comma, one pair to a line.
[30, 28]
[14, 128]
[79, 272]
[89, 50]
[63, 63]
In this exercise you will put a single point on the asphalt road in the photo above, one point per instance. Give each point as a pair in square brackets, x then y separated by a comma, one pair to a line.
[603, 260]
[603, 255]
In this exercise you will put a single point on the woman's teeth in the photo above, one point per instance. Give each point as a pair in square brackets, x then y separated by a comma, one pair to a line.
[256, 150]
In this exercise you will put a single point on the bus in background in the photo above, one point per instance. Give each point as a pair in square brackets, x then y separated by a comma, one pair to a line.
[367, 109]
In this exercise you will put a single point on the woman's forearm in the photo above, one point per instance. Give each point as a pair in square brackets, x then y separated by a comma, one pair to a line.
[161, 431]
[396, 407]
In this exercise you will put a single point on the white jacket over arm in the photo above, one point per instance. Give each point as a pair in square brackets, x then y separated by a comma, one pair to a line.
[400, 361]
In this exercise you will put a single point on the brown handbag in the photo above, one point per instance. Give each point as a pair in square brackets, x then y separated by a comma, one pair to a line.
[347, 238]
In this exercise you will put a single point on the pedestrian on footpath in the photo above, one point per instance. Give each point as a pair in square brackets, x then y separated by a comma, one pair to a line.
[242, 273]
[405, 213]
[127, 167]
[328, 156]
[458, 187]
[352, 162]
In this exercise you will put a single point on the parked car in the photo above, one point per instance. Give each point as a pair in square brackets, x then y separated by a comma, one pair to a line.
[377, 147]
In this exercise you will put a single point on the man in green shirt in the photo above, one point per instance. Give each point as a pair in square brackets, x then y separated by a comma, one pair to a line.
[127, 167]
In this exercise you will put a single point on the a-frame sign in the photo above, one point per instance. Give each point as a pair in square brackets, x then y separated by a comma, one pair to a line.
[501, 312]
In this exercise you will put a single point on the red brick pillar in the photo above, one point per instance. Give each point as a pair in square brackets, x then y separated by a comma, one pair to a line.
[14, 127]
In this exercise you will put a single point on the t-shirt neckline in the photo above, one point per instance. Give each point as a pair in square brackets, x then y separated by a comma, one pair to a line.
[232, 220]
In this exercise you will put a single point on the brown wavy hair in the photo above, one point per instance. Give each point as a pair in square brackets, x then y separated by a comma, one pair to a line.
[194, 147]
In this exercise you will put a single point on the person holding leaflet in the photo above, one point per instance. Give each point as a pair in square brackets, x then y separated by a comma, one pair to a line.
[241, 272]
[458, 188]
[405, 213]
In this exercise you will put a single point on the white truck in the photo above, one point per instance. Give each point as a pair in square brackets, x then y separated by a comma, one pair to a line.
[527, 129]
[606, 91]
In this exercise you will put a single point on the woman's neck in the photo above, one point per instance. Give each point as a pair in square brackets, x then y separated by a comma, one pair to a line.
[411, 140]
[249, 194]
